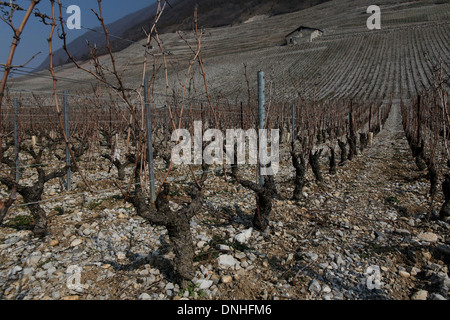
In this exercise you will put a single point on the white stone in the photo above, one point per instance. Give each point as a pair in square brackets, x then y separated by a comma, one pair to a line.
[16, 269]
[204, 284]
[145, 296]
[311, 255]
[226, 261]
[169, 286]
[414, 271]
[314, 287]
[51, 270]
[23, 234]
[326, 289]
[155, 272]
[240, 255]
[34, 259]
[47, 266]
[223, 247]
[27, 272]
[76, 242]
[339, 260]
[56, 295]
[420, 295]
[201, 244]
[226, 279]
[428, 237]
[244, 236]
[437, 296]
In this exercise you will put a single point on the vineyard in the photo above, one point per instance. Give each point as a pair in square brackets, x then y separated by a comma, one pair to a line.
[348, 61]
[89, 185]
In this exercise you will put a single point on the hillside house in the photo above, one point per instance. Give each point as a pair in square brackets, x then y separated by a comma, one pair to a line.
[302, 35]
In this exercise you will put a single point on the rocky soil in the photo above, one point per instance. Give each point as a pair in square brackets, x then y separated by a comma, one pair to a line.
[365, 233]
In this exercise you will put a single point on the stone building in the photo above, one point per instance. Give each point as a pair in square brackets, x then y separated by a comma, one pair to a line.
[302, 35]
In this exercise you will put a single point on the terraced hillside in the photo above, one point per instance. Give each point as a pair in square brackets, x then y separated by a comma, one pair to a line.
[348, 61]
[179, 16]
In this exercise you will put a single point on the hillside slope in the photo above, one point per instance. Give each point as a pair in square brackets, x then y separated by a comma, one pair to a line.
[177, 16]
[348, 61]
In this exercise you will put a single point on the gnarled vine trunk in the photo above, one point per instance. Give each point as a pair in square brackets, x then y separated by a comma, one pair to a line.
[32, 195]
[314, 160]
[176, 222]
[343, 147]
[332, 159]
[299, 163]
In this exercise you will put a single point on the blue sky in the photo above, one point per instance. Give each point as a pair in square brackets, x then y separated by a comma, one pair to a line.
[34, 38]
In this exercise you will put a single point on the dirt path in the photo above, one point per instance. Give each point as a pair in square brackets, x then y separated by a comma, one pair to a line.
[385, 175]
[380, 206]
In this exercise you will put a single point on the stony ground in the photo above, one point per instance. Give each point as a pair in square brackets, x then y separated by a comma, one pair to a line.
[365, 233]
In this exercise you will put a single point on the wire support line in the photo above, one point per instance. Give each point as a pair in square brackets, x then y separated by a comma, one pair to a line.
[182, 178]
[94, 98]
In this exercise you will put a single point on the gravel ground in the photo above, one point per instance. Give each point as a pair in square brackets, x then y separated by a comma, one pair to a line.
[362, 234]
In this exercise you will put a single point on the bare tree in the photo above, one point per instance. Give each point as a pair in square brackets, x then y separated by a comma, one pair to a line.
[8, 66]
[32, 194]
[264, 197]
[177, 222]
